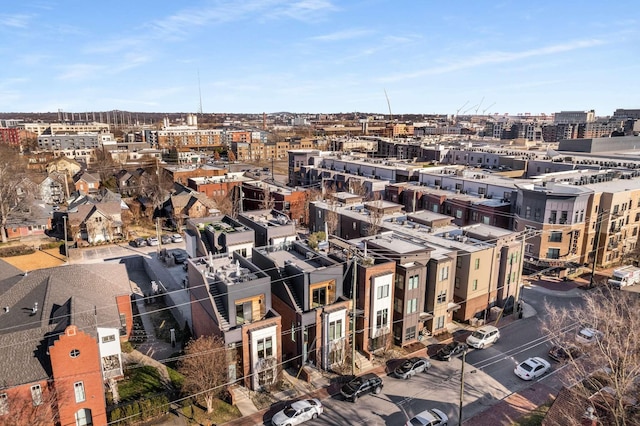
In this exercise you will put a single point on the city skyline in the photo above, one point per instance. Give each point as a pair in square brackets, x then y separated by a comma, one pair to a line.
[310, 56]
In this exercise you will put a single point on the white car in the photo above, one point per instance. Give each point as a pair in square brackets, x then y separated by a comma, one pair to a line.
[532, 368]
[152, 241]
[298, 413]
[176, 238]
[433, 417]
[483, 336]
[588, 336]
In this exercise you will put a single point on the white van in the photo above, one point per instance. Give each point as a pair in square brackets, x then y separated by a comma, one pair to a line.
[483, 336]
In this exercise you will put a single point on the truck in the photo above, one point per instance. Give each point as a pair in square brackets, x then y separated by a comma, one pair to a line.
[625, 276]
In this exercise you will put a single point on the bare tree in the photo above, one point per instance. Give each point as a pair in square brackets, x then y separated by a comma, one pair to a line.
[376, 214]
[204, 367]
[23, 410]
[268, 201]
[156, 186]
[224, 203]
[357, 187]
[609, 367]
[12, 172]
[310, 196]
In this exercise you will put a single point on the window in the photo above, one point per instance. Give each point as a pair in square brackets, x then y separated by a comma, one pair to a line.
[553, 216]
[382, 318]
[335, 330]
[563, 217]
[354, 226]
[412, 306]
[440, 322]
[109, 338]
[527, 213]
[319, 297]
[442, 296]
[78, 387]
[400, 282]
[265, 347]
[397, 305]
[244, 313]
[410, 333]
[458, 214]
[474, 286]
[74, 353]
[383, 291]
[477, 264]
[36, 394]
[457, 282]
[293, 331]
[4, 404]
[553, 253]
[413, 282]
[444, 273]
[555, 237]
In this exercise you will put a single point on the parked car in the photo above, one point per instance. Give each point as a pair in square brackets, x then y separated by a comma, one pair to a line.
[298, 412]
[176, 238]
[165, 239]
[588, 336]
[362, 385]
[532, 368]
[433, 417]
[411, 367]
[179, 256]
[564, 352]
[483, 336]
[139, 242]
[152, 241]
[451, 350]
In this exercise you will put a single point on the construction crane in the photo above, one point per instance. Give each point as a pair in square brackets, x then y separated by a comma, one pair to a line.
[468, 109]
[388, 104]
[478, 107]
[455, 118]
[487, 108]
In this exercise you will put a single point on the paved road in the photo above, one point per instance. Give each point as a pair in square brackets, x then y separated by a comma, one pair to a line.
[488, 379]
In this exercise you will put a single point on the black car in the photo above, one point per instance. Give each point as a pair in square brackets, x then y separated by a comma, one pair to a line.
[451, 350]
[411, 367]
[563, 353]
[139, 242]
[179, 256]
[361, 385]
[165, 239]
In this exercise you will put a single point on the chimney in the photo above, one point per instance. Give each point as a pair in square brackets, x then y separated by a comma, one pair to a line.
[35, 308]
[6, 309]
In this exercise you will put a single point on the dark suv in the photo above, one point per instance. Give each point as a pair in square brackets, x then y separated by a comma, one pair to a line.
[360, 386]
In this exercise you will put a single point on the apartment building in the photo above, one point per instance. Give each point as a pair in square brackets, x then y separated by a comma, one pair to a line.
[307, 290]
[258, 195]
[217, 235]
[231, 298]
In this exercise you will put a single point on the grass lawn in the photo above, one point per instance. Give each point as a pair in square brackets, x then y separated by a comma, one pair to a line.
[140, 381]
[222, 412]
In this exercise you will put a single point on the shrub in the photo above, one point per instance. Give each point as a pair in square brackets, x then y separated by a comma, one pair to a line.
[16, 251]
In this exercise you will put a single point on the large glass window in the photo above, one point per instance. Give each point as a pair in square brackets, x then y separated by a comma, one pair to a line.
[244, 313]
[319, 297]
[335, 330]
[477, 264]
[442, 296]
[382, 318]
[265, 347]
[553, 253]
[444, 273]
[411, 333]
[397, 304]
[412, 306]
[78, 387]
[413, 282]
[383, 291]
[555, 237]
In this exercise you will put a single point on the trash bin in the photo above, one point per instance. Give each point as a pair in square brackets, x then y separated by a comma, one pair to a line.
[473, 322]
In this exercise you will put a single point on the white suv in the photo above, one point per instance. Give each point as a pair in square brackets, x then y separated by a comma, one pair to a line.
[483, 336]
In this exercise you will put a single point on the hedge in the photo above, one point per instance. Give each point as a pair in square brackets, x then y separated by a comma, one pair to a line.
[16, 251]
[139, 411]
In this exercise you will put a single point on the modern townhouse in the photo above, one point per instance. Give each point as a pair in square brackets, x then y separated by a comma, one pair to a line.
[218, 234]
[271, 227]
[307, 291]
[231, 298]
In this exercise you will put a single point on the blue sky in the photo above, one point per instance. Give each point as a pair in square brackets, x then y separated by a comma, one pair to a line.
[302, 56]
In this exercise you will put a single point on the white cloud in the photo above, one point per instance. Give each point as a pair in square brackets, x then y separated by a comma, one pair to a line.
[496, 58]
[14, 21]
[343, 35]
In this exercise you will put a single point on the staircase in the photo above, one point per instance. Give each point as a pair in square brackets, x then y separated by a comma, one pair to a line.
[222, 312]
[362, 363]
[295, 299]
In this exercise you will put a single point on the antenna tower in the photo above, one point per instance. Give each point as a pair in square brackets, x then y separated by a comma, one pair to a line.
[200, 94]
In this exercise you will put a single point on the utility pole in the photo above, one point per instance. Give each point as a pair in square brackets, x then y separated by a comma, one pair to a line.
[353, 315]
[597, 247]
[464, 354]
[66, 246]
[158, 234]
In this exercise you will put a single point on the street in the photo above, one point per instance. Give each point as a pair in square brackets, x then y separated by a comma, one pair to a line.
[488, 379]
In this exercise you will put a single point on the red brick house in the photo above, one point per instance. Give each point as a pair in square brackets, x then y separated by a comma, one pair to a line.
[60, 334]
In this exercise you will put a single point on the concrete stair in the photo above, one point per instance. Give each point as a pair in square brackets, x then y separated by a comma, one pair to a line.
[362, 364]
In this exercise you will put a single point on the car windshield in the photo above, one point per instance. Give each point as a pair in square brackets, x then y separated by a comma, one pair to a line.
[289, 412]
[586, 334]
[406, 366]
[416, 422]
[354, 384]
[526, 366]
[478, 335]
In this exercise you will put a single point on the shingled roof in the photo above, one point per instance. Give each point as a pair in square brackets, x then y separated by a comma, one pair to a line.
[83, 295]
